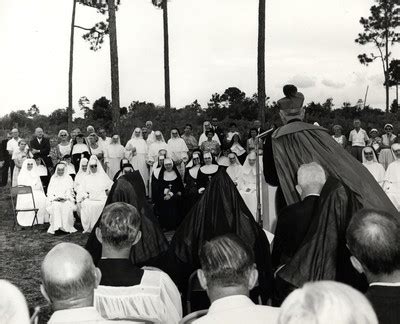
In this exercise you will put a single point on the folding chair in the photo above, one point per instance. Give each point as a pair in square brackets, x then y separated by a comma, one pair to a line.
[35, 316]
[23, 190]
[190, 318]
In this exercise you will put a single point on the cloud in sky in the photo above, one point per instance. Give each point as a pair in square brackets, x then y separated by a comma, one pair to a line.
[302, 81]
[213, 45]
[333, 84]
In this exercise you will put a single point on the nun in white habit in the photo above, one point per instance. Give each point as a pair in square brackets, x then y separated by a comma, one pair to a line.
[178, 151]
[371, 163]
[92, 194]
[114, 153]
[137, 150]
[60, 201]
[392, 178]
[247, 184]
[234, 169]
[28, 176]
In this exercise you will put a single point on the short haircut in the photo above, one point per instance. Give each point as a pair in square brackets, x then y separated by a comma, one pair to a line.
[373, 238]
[326, 302]
[119, 225]
[189, 125]
[311, 174]
[226, 261]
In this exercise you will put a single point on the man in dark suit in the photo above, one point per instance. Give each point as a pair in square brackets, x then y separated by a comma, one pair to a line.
[5, 159]
[294, 222]
[40, 146]
[373, 238]
[218, 130]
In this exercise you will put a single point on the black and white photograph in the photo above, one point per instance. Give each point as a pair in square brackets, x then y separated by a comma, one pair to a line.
[205, 162]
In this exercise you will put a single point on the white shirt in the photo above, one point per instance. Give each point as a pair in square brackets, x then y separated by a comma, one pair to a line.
[358, 138]
[77, 315]
[12, 144]
[238, 309]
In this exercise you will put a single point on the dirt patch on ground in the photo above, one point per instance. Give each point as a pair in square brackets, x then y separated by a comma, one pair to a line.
[22, 251]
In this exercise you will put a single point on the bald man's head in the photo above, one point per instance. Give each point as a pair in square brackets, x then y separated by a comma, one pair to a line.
[68, 274]
[13, 307]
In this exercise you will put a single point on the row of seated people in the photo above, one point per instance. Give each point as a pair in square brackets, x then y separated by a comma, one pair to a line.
[119, 291]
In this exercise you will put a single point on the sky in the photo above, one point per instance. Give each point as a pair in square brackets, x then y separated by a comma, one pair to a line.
[213, 46]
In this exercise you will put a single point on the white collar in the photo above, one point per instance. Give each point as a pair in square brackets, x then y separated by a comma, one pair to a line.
[75, 314]
[388, 284]
[230, 302]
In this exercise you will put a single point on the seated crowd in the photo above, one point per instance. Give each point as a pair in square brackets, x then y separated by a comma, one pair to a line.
[334, 256]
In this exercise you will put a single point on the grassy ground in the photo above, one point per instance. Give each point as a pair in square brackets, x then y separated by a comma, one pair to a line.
[22, 251]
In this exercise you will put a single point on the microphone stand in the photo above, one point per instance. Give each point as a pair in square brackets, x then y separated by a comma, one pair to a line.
[258, 182]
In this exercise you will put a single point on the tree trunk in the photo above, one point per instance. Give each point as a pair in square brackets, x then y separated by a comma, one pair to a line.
[71, 68]
[166, 56]
[386, 72]
[114, 66]
[261, 62]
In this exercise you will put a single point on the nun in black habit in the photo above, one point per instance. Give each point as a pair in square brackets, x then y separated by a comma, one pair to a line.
[219, 211]
[168, 197]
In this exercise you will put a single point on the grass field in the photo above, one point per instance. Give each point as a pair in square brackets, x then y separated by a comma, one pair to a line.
[22, 251]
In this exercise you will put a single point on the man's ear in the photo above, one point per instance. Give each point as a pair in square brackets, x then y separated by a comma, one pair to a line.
[356, 264]
[97, 274]
[44, 293]
[298, 189]
[138, 237]
[98, 234]
[202, 279]
[253, 278]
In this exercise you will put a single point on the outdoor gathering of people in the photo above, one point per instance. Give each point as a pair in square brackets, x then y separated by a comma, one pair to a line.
[172, 219]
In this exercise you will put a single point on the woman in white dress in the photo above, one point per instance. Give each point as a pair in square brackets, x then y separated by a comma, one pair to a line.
[19, 156]
[203, 136]
[248, 183]
[386, 155]
[392, 178]
[65, 144]
[80, 178]
[60, 201]
[371, 163]
[136, 150]
[92, 194]
[28, 176]
[95, 148]
[234, 169]
[114, 153]
[178, 151]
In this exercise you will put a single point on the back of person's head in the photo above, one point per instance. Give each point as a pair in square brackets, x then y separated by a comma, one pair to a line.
[119, 225]
[291, 106]
[289, 90]
[310, 179]
[13, 307]
[226, 261]
[326, 302]
[69, 276]
[373, 238]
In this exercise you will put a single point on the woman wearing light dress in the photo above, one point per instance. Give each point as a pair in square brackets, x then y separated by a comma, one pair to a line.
[114, 153]
[386, 155]
[65, 144]
[19, 156]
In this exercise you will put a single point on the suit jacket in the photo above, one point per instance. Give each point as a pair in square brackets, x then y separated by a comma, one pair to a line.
[4, 155]
[292, 226]
[44, 147]
[220, 133]
[119, 273]
[386, 303]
